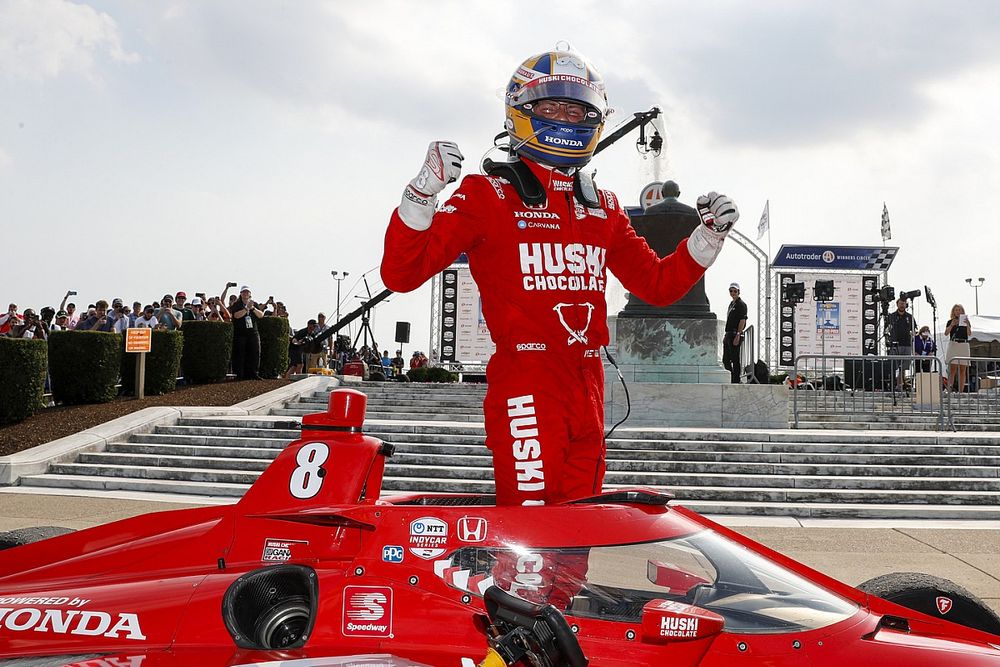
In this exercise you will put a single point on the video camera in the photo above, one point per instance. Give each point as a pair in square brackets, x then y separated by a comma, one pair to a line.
[887, 294]
[909, 295]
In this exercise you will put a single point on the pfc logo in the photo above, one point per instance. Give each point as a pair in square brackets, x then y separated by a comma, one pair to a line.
[367, 611]
[392, 553]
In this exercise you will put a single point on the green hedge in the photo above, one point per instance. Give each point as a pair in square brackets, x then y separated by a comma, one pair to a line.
[22, 378]
[84, 366]
[273, 346]
[431, 374]
[163, 363]
[208, 351]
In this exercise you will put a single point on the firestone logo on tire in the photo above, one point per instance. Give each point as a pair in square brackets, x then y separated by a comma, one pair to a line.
[944, 604]
[367, 611]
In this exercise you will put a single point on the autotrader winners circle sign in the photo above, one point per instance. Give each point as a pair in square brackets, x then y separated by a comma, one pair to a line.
[846, 326]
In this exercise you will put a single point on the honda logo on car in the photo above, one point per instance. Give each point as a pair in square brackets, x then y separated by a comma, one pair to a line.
[72, 621]
[472, 529]
[428, 537]
[367, 611]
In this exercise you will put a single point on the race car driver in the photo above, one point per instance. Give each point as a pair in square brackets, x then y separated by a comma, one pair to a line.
[540, 239]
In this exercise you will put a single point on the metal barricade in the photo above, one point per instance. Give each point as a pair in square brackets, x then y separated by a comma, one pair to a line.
[874, 389]
[973, 390]
[748, 354]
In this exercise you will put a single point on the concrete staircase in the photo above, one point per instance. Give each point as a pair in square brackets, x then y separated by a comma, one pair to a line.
[440, 447]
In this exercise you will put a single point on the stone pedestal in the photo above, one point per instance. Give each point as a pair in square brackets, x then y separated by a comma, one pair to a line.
[664, 405]
[666, 349]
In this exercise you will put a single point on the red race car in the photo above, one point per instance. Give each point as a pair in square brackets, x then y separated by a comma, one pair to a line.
[312, 568]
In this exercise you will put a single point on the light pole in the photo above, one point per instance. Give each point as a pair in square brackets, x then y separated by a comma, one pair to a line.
[976, 287]
[338, 276]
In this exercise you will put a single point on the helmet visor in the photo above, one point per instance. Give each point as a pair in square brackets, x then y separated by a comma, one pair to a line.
[562, 87]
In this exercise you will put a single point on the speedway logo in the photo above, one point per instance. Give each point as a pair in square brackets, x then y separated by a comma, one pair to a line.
[278, 551]
[428, 536]
[367, 611]
[71, 621]
[543, 266]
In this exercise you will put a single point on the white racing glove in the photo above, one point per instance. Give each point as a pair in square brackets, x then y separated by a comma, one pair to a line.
[443, 165]
[718, 214]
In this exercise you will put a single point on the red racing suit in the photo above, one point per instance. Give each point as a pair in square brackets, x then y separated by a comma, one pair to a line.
[541, 273]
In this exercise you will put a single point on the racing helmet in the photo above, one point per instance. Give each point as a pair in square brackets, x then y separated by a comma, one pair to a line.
[562, 75]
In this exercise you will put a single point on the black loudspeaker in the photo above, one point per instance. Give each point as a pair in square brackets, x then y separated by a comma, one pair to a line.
[402, 332]
[871, 375]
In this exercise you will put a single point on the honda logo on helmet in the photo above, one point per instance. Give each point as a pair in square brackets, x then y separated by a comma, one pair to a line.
[472, 529]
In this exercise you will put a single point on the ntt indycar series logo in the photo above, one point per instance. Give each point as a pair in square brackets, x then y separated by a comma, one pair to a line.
[544, 266]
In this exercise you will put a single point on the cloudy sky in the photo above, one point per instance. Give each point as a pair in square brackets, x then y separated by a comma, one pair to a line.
[147, 147]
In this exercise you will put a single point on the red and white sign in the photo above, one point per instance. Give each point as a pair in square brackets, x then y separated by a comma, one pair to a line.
[367, 611]
[472, 529]
[428, 537]
[138, 339]
[944, 604]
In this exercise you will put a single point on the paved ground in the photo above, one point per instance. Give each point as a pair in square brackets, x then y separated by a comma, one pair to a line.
[849, 551]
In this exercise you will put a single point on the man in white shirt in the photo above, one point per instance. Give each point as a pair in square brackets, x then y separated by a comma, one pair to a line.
[146, 320]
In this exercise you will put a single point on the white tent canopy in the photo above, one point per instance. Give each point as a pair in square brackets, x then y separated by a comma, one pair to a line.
[984, 328]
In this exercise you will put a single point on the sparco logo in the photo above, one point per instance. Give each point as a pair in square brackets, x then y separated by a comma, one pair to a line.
[530, 347]
[536, 215]
[74, 622]
[367, 611]
[526, 447]
[562, 141]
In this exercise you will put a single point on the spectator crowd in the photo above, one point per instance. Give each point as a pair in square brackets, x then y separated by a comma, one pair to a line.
[307, 349]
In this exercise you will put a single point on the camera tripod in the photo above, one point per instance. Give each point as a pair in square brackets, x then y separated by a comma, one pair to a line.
[366, 331]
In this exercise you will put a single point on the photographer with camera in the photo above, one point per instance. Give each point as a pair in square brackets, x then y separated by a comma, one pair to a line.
[901, 333]
[99, 320]
[217, 312]
[121, 314]
[246, 338]
[298, 345]
[72, 318]
[170, 318]
[31, 327]
[9, 320]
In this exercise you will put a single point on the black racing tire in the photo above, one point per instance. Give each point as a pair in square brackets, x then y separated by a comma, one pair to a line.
[920, 592]
[22, 536]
